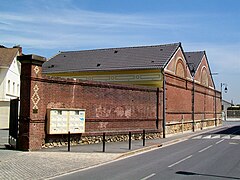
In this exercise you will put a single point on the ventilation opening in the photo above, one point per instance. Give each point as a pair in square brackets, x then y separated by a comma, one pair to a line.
[98, 65]
[51, 66]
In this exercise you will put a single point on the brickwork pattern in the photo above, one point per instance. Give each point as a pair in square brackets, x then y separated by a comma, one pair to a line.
[109, 107]
[180, 100]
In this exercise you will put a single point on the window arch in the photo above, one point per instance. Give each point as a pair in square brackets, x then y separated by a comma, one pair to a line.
[180, 70]
[204, 77]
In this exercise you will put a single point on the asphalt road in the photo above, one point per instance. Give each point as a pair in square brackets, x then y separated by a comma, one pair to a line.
[215, 155]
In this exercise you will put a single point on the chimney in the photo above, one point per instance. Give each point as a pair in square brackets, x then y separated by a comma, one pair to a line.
[19, 49]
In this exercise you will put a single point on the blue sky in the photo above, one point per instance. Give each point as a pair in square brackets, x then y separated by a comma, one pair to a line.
[45, 27]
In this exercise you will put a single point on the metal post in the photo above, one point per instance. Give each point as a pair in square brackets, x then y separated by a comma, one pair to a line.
[182, 124]
[130, 140]
[68, 141]
[215, 107]
[144, 137]
[221, 90]
[104, 140]
[221, 101]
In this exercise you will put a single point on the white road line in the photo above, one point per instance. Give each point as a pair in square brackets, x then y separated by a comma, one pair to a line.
[226, 137]
[204, 149]
[207, 137]
[233, 143]
[216, 137]
[147, 177]
[180, 161]
[197, 137]
[219, 141]
[236, 137]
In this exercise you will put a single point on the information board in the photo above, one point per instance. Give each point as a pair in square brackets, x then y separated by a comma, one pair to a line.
[60, 121]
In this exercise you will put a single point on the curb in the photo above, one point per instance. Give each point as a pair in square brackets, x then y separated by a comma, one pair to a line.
[167, 143]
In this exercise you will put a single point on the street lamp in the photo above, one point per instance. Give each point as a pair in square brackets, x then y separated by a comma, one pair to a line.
[225, 87]
[215, 101]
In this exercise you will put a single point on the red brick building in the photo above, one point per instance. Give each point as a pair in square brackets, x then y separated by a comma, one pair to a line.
[158, 88]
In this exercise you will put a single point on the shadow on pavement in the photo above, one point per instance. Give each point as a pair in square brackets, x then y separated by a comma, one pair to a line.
[232, 130]
[186, 173]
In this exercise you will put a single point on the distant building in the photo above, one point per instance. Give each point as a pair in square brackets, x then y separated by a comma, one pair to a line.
[225, 106]
[233, 112]
[9, 81]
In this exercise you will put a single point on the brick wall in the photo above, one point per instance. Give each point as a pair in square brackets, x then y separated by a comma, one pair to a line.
[109, 107]
[179, 102]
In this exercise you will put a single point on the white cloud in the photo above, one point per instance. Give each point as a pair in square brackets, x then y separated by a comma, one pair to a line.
[57, 27]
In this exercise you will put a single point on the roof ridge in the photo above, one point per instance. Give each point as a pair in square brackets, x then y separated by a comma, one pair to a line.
[54, 55]
[107, 49]
[195, 51]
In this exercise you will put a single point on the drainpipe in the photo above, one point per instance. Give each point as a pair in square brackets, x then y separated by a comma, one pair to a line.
[164, 104]
[157, 110]
[193, 109]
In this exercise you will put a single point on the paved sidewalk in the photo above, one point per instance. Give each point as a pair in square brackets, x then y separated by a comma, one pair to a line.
[48, 163]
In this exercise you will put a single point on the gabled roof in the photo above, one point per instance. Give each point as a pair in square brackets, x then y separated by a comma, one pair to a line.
[194, 59]
[128, 58]
[7, 55]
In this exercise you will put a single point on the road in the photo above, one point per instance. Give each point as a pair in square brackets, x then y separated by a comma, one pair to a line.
[215, 155]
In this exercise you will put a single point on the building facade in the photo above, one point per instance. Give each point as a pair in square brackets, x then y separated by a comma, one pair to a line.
[120, 89]
[10, 70]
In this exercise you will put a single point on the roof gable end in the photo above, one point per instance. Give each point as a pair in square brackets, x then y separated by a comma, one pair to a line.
[7, 56]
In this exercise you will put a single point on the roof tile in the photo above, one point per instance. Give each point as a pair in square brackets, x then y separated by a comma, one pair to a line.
[7, 55]
[142, 57]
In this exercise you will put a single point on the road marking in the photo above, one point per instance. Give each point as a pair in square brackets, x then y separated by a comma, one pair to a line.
[219, 141]
[197, 137]
[204, 149]
[207, 137]
[147, 177]
[180, 161]
[233, 143]
[236, 137]
[226, 137]
[216, 137]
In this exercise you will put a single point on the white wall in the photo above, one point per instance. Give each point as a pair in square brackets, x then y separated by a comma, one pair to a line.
[3, 72]
[8, 90]
[4, 114]
[12, 89]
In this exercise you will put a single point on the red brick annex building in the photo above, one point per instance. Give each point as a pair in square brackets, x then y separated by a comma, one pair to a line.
[161, 89]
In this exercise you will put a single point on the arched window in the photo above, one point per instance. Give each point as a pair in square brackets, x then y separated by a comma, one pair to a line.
[204, 77]
[180, 70]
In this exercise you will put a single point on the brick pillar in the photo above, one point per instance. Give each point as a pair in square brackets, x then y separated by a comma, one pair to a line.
[31, 127]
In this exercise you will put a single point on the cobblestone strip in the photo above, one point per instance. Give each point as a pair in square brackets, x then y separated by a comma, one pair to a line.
[41, 165]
